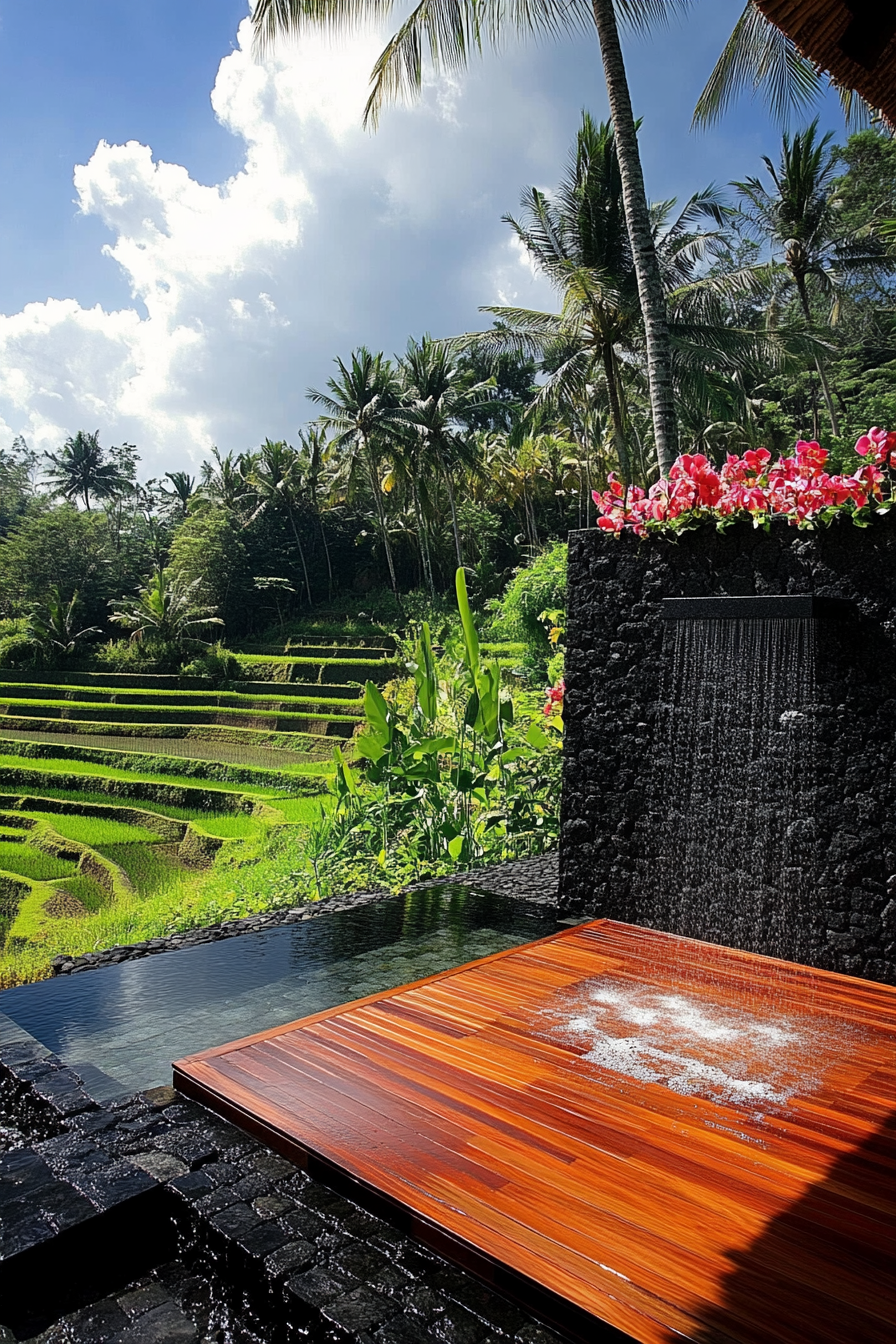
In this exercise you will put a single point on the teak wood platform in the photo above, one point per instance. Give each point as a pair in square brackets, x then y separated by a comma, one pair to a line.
[633, 1134]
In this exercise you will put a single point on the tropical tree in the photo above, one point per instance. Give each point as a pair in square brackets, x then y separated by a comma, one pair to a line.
[275, 477]
[181, 491]
[314, 460]
[53, 630]
[760, 58]
[436, 392]
[452, 31]
[80, 470]
[593, 350]
[224, 480]
[17, 465]
[797, 216]
[167, 610]
[362, 411]
[408, 469]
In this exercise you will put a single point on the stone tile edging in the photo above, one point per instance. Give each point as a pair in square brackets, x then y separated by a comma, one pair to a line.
[277, 1242]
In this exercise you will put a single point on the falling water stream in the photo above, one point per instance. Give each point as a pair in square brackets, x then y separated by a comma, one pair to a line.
[732, 790]
[728, 836]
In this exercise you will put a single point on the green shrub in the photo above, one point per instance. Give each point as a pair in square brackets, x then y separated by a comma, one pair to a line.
[538, 587]
[16, 644]
[215, 664]
[124, 655]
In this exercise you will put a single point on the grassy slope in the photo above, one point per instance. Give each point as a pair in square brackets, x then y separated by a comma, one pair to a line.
[323, 723]
[52, 692]
[89, 770]
[163, 768]
[259, 846]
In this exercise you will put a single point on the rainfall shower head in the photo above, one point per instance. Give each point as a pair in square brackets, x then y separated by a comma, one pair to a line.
[774, 608]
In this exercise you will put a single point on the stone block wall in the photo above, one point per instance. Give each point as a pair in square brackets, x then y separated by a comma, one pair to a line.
[617, 659]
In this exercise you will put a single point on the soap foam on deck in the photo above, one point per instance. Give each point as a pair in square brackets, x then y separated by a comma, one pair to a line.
[691, 1045]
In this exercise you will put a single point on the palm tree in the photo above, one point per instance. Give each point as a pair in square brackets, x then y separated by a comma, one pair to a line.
[183, 488]
[758, 56]
[363, 410]
[797, 217]
[274, 476]
[437, 392]
[80, 470]
[451, 31]
[594, 347]
[53, 629]
[314, 452]
[224, 480]
[166, 611]
[408, 469]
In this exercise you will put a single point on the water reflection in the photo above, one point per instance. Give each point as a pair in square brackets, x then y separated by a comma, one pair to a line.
[130, 1021]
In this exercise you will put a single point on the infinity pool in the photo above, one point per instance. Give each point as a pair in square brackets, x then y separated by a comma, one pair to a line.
[122, 1026]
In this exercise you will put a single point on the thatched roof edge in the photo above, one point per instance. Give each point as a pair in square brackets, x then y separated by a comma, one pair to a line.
[853, 40]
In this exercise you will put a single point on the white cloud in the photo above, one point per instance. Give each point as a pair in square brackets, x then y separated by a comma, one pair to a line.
[327, 237]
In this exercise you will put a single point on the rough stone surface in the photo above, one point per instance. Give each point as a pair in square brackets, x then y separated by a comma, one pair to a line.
[268, 1254]
[614, 668]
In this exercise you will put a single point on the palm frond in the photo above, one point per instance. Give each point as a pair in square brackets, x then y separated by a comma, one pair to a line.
[760, 58]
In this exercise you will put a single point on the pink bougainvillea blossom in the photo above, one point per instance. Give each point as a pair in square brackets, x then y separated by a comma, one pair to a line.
[796, 488]
[555, 696]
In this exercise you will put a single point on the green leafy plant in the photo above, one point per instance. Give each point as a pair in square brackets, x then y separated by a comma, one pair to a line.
[450, 779]
[216, 663]
[168, 610]
[53, 630]
[536, 591]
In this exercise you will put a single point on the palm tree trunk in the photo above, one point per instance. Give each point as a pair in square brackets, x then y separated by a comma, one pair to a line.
[301, 548]
[424, 541]
[453, 506]
[616, 415]
[637, 219]
[323, 537]
[825, 386]
[381, 519]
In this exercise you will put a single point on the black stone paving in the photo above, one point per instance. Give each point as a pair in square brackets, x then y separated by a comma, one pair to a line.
[266, 1254]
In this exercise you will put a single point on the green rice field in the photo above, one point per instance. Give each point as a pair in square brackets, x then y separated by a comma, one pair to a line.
[25, 861]
[162, 798]
[264, 758]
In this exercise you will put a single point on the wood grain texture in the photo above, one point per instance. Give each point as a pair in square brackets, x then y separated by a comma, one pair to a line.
[655, 1194]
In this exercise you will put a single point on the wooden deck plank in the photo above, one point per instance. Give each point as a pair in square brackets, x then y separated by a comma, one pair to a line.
[665, 1212]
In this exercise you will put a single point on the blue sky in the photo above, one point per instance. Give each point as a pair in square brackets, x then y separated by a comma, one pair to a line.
[177, 266]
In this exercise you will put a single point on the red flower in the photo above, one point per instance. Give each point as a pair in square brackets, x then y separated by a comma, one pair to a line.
[797, 488]
[555, 696]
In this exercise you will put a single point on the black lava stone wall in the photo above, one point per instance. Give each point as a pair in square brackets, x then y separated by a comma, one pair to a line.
[615, 664]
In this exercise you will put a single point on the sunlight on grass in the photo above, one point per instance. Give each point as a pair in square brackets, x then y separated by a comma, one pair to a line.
[149, 868]
[19, 858]
[229, 827]
[95, 831]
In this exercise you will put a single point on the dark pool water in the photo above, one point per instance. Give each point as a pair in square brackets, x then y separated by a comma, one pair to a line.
[123, 1026]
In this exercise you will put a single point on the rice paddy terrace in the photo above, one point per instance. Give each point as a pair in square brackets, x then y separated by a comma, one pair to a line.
[117, 790]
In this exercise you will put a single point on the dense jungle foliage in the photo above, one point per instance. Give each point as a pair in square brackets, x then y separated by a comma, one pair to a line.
[480, 450]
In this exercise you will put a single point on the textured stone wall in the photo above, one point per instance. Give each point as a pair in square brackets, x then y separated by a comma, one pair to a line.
[616, 661]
